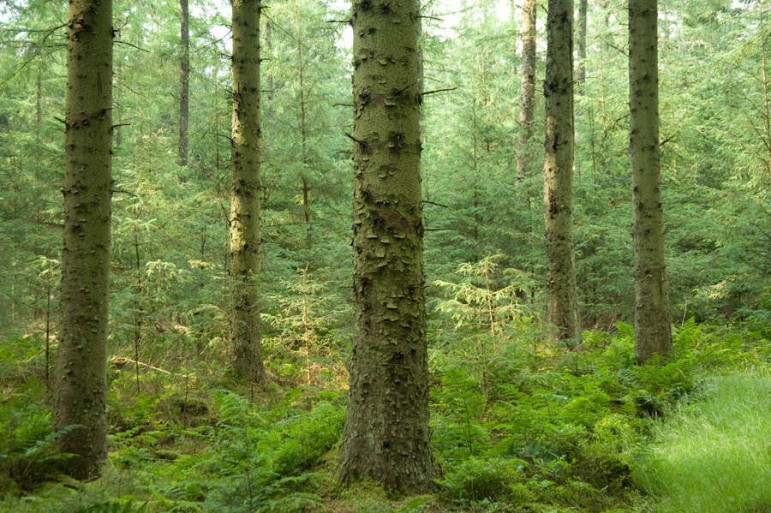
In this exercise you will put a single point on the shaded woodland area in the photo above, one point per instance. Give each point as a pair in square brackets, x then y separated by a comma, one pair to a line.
[386, 255]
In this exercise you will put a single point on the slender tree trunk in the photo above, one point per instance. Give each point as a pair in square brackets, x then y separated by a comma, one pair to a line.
[304, 152]
[79, 412]
[139, 314]
[386, 435]
[582, 13]
[558, 171]
[766, 111]
[527, 93]
[49, 293]
[184, 82]
[245, 193]
[653, 333]
[269, 73]
[38, 104]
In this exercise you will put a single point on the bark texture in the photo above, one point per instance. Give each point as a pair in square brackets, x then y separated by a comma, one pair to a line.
[653, 333]
[386, 435]
[184, 81]
[245, 193]
[558, 171]
[79, 410]
[527, 94]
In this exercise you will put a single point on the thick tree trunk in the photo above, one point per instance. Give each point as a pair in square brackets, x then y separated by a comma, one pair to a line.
[558, 171]
[527, 93]
[245, 193]
[79, 412]
[582, 13]
[386, 436]
[653, 333]
[184, 82]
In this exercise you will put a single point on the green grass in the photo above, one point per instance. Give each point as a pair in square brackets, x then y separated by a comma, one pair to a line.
[714, 456]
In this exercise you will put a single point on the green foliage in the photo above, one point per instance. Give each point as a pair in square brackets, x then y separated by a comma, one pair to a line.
[111, 507]
[258, 460]
[713, 455]
[28, 452]
[519, 424]
[476, 480]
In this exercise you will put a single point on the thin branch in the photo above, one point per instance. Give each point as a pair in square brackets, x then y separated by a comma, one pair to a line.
[123, 191]
[666, 140]
[425, 93]
[118, 41]
[349, 136]
[122, 360]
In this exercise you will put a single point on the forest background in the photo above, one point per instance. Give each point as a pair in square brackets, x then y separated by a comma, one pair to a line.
[496, 379]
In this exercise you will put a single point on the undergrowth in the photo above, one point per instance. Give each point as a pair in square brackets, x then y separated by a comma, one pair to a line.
[714, 455]
[518, 425]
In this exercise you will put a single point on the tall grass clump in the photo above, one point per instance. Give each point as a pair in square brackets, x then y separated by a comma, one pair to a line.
[714, 456]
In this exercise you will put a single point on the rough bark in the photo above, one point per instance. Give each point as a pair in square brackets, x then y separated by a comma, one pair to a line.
[653, 334]
[527, 93]
[386, 435]
[245, 192]
[582, 13]
[558, 171]
[184, 82]
[79, 410]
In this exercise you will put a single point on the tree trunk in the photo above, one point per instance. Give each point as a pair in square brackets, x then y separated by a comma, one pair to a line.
[79, 411]
[245, 192]
[653, 333]
[304, 151]
[527, 93]
[386, 435]
[582, 13]
[558, 171]
[184, 82]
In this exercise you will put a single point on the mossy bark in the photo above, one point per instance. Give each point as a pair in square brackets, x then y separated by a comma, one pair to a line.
[245, 193]
[527, 93]
[653, 333]
[386, 435]
[79, 409]
[558, 171]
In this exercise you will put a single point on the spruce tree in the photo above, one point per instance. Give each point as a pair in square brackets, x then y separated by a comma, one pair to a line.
[653, 332]
[558, 171]
[79, 410]
[386, 435]
[245, 192]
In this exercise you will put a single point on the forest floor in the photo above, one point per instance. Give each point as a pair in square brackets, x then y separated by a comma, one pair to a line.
[516, 427]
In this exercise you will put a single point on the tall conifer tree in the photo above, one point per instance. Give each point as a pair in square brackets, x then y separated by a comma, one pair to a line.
[527, 94]
[653, 332]
[184, 81]
[583, 7]
[558, 171]
[386, 435]
[79, 410]
[245, 192]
